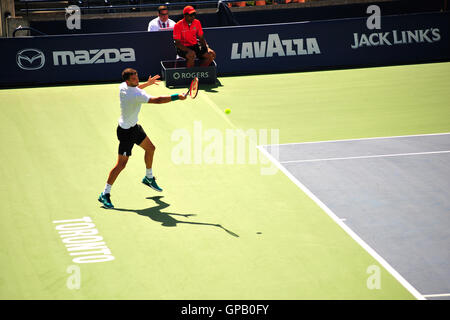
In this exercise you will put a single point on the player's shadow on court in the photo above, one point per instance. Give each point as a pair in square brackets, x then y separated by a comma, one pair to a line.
[166, 218]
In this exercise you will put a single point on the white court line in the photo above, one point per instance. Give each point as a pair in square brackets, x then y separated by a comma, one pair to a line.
[217, 109]
[367, 157]
[436, 295]
[360, 139]
[349, 231]
[226, 118]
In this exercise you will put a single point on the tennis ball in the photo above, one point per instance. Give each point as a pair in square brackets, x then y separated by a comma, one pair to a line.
[227, 111]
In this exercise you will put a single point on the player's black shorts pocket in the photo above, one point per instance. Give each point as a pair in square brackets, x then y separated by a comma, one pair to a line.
[129, 137]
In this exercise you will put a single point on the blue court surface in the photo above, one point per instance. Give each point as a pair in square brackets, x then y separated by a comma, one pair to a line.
[392, 194]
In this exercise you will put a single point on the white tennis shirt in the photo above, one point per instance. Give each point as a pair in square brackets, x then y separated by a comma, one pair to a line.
[131, 99]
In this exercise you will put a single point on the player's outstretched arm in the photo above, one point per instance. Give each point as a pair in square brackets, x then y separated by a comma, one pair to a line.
[151, 80]
[165, 99]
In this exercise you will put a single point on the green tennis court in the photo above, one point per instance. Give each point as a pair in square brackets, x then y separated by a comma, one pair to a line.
[220, 229]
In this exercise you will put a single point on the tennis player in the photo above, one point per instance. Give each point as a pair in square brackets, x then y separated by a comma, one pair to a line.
[129, 132]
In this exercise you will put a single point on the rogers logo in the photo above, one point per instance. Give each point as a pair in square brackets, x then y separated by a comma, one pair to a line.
[30, 59]
[191, 75]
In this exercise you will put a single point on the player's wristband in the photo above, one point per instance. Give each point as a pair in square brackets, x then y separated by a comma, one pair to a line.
[174, 97]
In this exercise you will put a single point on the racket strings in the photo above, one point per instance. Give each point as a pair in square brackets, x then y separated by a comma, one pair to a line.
[194, 88]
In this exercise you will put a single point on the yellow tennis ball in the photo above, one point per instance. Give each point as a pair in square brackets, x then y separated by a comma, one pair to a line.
[227, 111]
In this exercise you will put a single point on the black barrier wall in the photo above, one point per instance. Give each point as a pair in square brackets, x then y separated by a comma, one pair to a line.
[245, 17]
[314, 45]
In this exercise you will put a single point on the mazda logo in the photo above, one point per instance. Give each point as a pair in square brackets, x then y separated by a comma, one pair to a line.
[30, 59]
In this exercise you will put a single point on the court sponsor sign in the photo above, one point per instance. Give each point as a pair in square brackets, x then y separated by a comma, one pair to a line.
[86, 58]
[175, 73]
[274, 46]
[299, 46]
[30, 59]
[400, 39]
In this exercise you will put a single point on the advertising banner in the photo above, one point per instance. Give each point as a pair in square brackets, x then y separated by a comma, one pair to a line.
[301, 46]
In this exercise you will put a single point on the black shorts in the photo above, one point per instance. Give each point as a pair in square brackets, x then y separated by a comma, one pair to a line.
[199, 51]
[129, 137]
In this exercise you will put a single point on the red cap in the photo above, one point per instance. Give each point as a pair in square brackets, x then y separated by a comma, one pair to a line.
[188, 10]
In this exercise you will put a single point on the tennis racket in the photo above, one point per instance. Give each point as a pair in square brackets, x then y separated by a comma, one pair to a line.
[193, 88]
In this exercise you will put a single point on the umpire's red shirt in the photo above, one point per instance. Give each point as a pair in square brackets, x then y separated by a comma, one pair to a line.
[187, 34]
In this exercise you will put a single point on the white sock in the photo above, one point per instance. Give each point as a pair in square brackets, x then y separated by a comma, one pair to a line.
[149, 173]
[107, 189]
